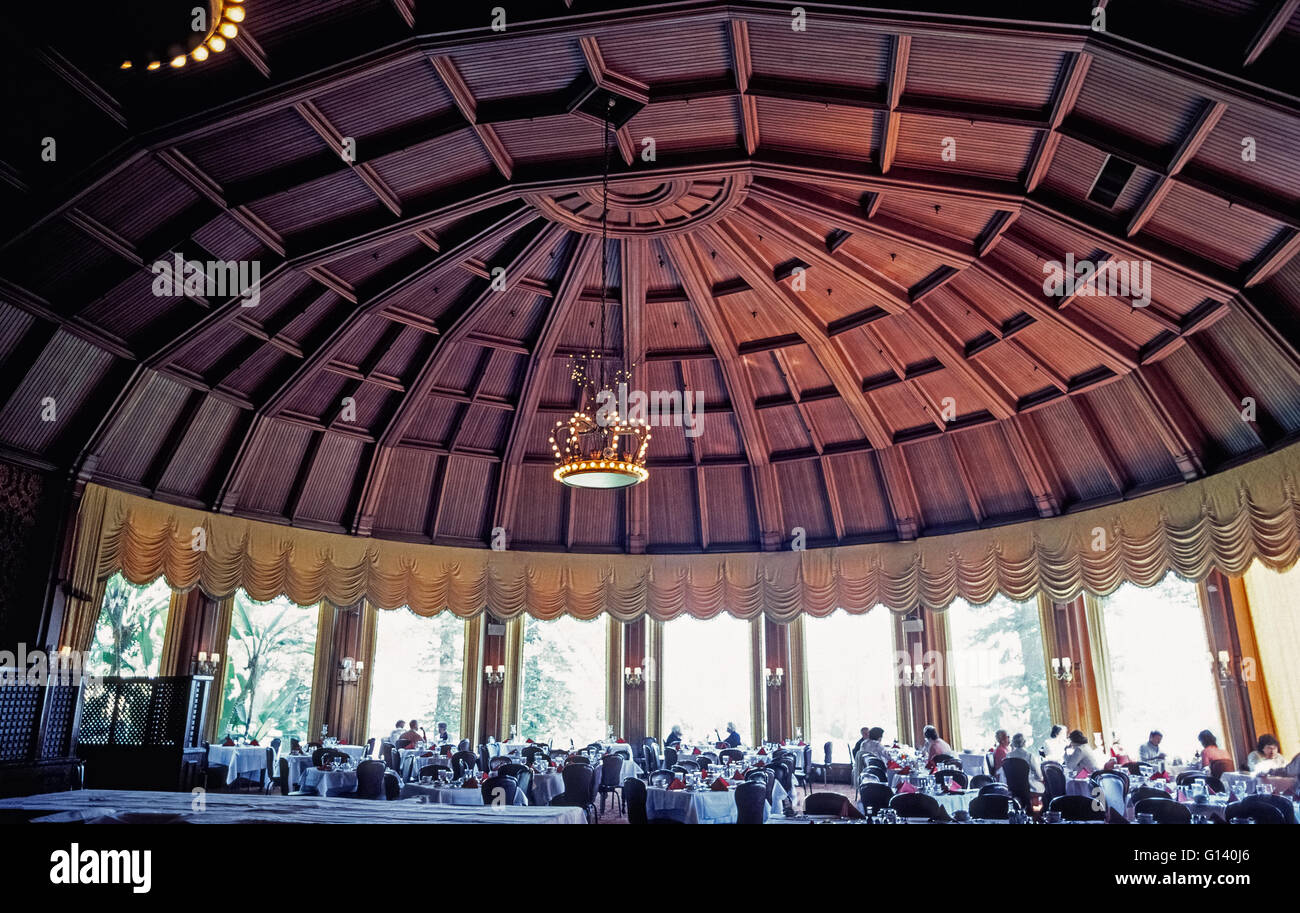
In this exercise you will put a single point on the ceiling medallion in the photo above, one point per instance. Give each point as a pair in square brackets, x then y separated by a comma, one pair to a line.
[159, 31]
[640, 207]
[604, 449]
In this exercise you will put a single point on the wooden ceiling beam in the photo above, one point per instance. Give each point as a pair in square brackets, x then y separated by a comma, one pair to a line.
[1068, 88]
[1235, 389]
[1035, 464]
[900, 490]
[1091, 425]
[466, 240]
[1199, 132]
[1281, 251]
[830, 490]
[335, 140]
[1269, 29]
[464, 99]
[967, 481]
[688, 264]
[585, 256]
[634, 258]
[742, 64]
[701, 492]
[744, 257]
[900, 47]
[1178, 436]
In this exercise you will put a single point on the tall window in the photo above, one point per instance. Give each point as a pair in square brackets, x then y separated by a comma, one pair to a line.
[562, 692]
[269, 659]
[851, 678]
[706, 677]
[997, 666]
[129, 633]
[419, 664]
[1160, 674]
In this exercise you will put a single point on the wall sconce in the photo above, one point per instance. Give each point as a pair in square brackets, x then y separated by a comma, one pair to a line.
[914, 676]
[774, 679]
[1225, 665]
[205, 663]
[350, 670]
[632, 676]
[495, 676]
[1063, 669]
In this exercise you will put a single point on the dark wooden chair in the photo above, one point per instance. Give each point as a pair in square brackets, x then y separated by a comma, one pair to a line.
[611, 779]
[1165, 810]
[991, 807]
[750, 803]
[580, 784]
[918, 805]
[634, 796]
[830, 804]
[499, 790]
[1076, 808]
[370, 780]
[463, 763]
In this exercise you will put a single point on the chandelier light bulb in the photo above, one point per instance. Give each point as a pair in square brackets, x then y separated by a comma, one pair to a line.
[217, 43]
[229, 29]
[235, 13]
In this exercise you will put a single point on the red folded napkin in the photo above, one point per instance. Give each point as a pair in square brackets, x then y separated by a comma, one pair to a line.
[529, 741]
[802, 744]
[696, 751]
[254, 744]
[905, 771]
[676, 784]
[1081, 775]
[620, 741]
[762, 751]
[720, 785]
[228, 743]
[906, 787]
[894, 765]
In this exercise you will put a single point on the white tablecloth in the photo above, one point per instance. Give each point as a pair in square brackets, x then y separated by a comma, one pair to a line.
[546, 787]
[957, 802]
[254, 808]
[328, 782]
[410, 760]
[297, 764]
[695, 806]
[972, 764]
[246, 761]
[451, 795]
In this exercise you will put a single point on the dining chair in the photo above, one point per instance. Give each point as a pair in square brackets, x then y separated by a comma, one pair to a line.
[370, 780]
[1257, 807]
[830, 804]
[499, 790]
[823, 767]
[661, 777]
[992, 807]
[579, 790]
[918, 805]
[1164, 810]
[750, 803]
[462, 763]
[1076, 808]
[947, 776]
[611, 779]
[1053, 781]
[634, 798]
[1016, 773]
[522, 774]
[875, 796]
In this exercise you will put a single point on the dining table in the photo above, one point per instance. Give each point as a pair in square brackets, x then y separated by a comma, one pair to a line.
[247, 761]
[113, 806]
[451, 795]
[696, 806]
[336, 782]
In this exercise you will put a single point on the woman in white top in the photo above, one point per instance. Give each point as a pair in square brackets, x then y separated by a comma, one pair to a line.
[1081, 756]
[1266, 757]
[1054, 747]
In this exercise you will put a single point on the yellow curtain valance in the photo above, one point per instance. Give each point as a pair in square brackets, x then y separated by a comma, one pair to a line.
[1221, 522]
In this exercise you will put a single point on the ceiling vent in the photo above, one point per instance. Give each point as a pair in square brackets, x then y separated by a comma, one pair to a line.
[1111, 180]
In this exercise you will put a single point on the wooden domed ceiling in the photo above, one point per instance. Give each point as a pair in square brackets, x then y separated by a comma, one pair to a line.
[837, 235]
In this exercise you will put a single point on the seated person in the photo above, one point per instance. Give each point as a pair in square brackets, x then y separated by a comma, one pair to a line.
[398, 732]
[674, 738]
[934, 746]
[1151, 750]
[1266, 757]
[1002, 747]
[1210, 750]
[733, 737]
[1018, 750]
[442, 735]
[872, 747]
[1057, 742]
[411, 736]
[1081, 756]
[857, 746]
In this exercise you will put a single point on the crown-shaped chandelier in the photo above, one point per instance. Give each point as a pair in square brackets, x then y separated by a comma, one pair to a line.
[599, 446]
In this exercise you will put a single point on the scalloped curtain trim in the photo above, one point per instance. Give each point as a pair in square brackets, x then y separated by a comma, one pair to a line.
[1222, 522]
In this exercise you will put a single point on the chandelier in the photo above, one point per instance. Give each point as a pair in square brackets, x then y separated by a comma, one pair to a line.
[601, 447]
[157, 30]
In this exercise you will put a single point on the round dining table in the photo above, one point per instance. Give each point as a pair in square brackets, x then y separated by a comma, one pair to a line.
[248, 761]
[695, 806]
[451, 795]
[336, 782]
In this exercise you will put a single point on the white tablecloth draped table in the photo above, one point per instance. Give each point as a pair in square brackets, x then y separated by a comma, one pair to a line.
[546, 787]
[253, 808]
[297, 764]
[956, 802]
[410, 760]
[328, 782]
[695, 806]
[451, 795]
[246, 761]
[972, 763]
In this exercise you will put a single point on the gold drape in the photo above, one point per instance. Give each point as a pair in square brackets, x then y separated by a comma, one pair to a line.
[1101, 675]
[758, 684]
[797, 676]
[514, 662]
[614, 676]
[1275, 614]
[654, 689]
[220, 643]
[471, 679]
[322, 673]
[366, 653]
[1221, 522]
[172, 662]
